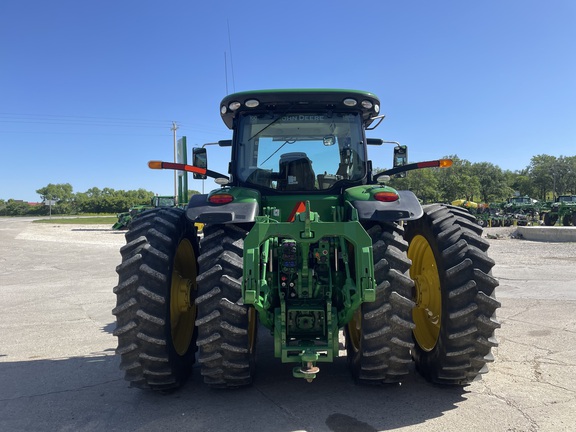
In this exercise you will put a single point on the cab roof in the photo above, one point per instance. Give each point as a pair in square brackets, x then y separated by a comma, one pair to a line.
[299, 100]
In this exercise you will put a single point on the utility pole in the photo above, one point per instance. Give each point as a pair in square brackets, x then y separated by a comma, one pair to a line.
[174, 129]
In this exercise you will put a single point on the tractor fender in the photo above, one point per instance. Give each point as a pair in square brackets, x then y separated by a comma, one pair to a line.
[407, 207]
[200, 210]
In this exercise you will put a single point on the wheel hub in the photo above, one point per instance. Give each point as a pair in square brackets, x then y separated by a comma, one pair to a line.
[182, 307]
[183, 290]
[426, 294]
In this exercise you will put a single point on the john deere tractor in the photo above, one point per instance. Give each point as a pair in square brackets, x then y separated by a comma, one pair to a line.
[563, 209]
[304, 239]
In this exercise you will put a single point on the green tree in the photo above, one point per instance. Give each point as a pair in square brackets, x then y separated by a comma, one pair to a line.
[570, 162]
[81, 202]
[544, 173]
[16, 208]
[140, 196]
[61, 193]
[109, 200]
[93, 192]
[519, 181]
[423, 182]
[564, 173]
[491, 181]
[458, 182]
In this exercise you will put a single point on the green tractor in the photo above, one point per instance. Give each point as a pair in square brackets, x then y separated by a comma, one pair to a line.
[125, 218]
[563, 209]
[522, 209]
[303, 238]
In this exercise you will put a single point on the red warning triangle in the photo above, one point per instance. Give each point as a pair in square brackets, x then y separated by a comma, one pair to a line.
[298, 208]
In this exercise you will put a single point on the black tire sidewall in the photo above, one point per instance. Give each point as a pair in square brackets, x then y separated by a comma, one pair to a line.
[157, 256]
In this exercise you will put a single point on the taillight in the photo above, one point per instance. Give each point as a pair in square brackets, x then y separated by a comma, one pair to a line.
[386, 196]
[220, 199]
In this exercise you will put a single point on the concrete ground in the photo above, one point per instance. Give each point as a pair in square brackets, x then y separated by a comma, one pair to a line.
[58, 371]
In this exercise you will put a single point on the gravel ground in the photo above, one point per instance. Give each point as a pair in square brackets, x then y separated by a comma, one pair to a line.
[537, 261]
[58, 370]
[97, 235]
[506, 248]
[503, 240]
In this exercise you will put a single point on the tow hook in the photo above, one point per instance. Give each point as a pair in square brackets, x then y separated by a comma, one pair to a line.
[308, 368]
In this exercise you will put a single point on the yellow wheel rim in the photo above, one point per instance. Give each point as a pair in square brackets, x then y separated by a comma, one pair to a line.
[355, 330]
[427, 314]
[251, 329]
[182, 307]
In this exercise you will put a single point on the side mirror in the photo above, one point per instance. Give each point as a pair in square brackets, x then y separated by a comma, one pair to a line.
[329, 140]
[400, 158]
[200, 160]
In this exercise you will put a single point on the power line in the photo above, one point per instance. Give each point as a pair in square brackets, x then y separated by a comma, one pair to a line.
[28, 116]
[78, 121]
[16, 119]
[27, 132]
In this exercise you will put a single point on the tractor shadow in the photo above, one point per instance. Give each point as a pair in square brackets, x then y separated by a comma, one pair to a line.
[333, 401]
[89, 393]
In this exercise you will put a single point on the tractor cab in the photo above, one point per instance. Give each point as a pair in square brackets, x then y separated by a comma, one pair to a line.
[307, 141]
[300, 152]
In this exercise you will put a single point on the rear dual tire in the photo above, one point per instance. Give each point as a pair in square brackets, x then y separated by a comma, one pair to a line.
[455, 313]
[226, 326]
[378, 338]
[155, 309]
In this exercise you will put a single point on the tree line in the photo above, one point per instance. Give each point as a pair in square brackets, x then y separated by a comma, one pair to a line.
[545, 178]
[66, 202]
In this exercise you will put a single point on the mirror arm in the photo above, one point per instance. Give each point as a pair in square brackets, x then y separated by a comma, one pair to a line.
[379, 118]
[221, 143]
[187, 168]
[440, 163]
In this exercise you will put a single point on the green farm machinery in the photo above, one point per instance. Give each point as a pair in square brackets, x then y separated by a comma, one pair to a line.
[125, 218]
[302, 238]
[522, 209]
[563, 209]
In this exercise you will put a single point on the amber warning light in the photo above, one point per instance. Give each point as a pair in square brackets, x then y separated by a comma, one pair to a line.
[155, 165]
[176, 166]
[440, 163]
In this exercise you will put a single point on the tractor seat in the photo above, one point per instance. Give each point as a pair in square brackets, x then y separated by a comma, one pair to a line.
[296, 172]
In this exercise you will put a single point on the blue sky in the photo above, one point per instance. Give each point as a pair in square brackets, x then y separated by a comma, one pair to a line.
[89, 89]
